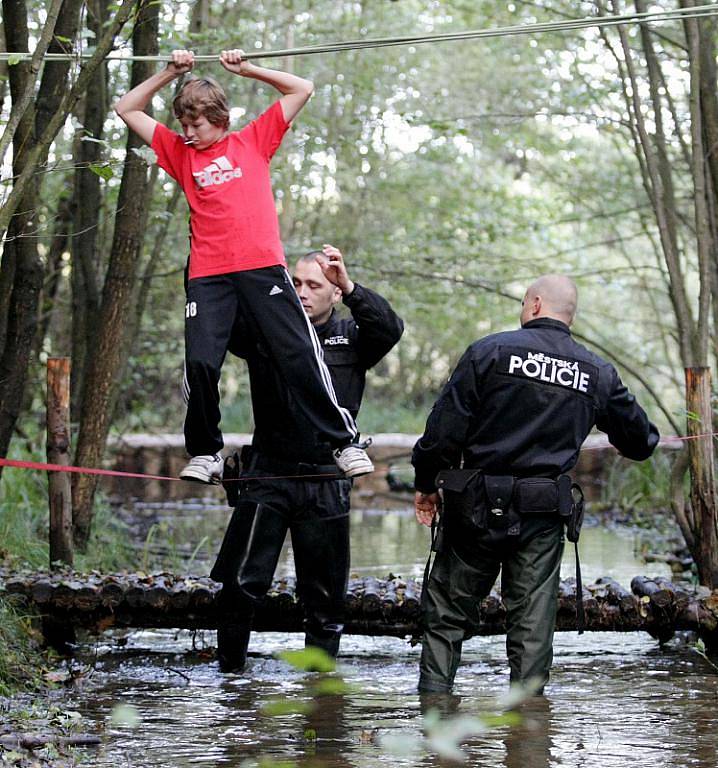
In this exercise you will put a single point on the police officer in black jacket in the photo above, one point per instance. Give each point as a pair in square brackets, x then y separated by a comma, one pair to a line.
[285, 449]
[512, 419]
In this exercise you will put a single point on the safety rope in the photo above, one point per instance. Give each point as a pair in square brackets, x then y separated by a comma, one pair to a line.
[17, 464]
[677, 14]
[141, 476]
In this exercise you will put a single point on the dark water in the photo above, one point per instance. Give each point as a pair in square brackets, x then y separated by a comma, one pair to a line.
[614, 700]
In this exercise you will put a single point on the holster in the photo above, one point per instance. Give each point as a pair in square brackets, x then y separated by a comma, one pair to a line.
[570, 506]
[230, 478]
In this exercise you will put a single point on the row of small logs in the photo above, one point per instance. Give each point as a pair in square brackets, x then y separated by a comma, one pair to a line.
[374, 606]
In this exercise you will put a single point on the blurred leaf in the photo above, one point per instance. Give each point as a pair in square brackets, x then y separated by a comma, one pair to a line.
[309, 660]
[331, 686]
[402, 744]
[125, 714]
[278, 707]
[518, 693]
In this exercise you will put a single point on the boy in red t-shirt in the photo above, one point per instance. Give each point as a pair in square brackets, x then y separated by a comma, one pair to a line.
[237, 263]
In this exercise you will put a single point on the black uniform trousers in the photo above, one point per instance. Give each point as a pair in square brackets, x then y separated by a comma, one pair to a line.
[316, 512]
[273, 314]
[463, 573]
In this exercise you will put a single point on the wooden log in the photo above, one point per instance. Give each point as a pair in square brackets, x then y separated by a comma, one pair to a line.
[389, 600]
[58, 452]
[410, 605]
[352, 599]
[371, 599]
[375, 606]
[625, 601]
[38, 740]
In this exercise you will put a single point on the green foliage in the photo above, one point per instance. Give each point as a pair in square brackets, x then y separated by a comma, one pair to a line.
[20, 661]
[641, 486]
[309, 660]
[23, 514]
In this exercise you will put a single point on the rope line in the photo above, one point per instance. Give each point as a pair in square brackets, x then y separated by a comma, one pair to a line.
[677, 14]
[142, 476]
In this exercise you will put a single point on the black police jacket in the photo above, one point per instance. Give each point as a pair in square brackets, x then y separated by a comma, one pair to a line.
[351, 346]
[523, 402]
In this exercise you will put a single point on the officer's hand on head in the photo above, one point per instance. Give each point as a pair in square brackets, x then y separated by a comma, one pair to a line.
[334, 268]
[425, 507]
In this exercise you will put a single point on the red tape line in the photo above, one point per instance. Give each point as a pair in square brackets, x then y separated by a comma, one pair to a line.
[79, 470]
[140, 476]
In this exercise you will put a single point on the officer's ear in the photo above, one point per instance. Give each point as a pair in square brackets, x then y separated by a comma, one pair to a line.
[336, 296]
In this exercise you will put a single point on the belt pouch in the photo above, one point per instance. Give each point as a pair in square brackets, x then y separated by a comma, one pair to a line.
[499, 493]
[463, 495]
[536, 495]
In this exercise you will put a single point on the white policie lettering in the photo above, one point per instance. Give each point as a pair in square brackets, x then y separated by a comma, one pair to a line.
[551, 370]
[217, 172]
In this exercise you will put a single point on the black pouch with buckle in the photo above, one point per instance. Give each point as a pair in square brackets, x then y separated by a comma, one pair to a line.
[499, 492]
[230, 478]
[463, 495]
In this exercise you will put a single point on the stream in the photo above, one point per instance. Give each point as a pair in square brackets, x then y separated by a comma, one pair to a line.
[613, 700]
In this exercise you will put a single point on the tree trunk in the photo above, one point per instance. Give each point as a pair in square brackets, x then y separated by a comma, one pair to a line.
[703, 490]
[21, 266]
[87, 207]
[20, 308]
[105, 361]
[37, 151]
[19, 311]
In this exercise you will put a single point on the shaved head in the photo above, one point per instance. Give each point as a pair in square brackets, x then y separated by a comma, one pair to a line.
[550, 296]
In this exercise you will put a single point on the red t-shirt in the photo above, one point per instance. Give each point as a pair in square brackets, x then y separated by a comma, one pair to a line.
[233, 219]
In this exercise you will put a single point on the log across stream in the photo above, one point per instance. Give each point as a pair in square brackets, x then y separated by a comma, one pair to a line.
[389, 607]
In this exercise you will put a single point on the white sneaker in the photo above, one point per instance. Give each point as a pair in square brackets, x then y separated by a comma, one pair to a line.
[353, 461]
[204, 469]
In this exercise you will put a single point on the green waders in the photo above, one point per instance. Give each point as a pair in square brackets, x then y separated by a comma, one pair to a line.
[466, 567]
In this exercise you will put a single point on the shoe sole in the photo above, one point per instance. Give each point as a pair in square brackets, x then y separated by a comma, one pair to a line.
[358, 472]
[197, 477]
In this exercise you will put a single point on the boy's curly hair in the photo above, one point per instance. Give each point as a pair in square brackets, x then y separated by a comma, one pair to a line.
[202, 96]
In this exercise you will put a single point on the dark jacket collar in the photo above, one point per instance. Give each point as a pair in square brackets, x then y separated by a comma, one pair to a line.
[548, 322]
[322, 328]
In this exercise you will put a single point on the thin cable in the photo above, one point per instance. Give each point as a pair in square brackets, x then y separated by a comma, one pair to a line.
[700, 11]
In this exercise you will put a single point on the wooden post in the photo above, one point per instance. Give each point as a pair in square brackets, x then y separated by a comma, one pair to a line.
[703, 488]
[58, 452]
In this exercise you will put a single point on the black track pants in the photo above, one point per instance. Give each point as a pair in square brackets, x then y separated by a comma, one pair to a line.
[267, 301]
[317, 515]
[462, 575]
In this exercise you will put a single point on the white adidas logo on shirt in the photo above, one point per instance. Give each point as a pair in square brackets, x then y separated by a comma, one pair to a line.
[217, 172]
[275, 290]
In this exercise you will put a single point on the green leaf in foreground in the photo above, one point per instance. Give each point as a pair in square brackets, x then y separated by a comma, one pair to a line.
[309, 660]
[332, 686]
[125, 714]
[278, 707]
[103, 171]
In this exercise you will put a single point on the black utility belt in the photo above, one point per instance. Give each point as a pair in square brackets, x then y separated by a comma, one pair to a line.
[499, 501]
